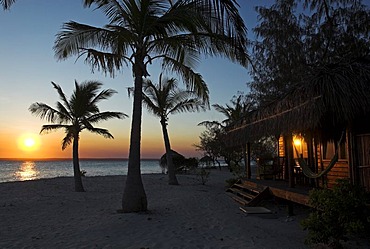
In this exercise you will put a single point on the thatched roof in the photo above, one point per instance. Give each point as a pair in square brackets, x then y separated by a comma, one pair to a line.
[328, 101]
[206, 159]
[175, 157]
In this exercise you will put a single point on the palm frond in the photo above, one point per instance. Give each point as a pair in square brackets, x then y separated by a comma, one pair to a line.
[103, 132]
[192, 80]
[112, 9]
[96, 118]
[45, 129]
[222, 109]
[188, 105]
[46, 112]
[68, 139]
[62, 96]
[7, 3]
[210, 124]
[79, 39]
[104, 61]
[105, 94]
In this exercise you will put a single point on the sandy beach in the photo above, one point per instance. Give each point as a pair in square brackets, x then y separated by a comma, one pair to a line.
[48, 214]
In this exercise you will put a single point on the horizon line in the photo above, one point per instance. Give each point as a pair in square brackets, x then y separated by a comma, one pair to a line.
[66, 159]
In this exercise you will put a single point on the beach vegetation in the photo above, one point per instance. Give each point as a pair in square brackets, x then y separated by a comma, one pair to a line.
[212, 140]
[165, 98]
[174, 33]
[203, 175]
[231, 181]
[297, 40]
[181, 163]
[337, 214]
[79, 112]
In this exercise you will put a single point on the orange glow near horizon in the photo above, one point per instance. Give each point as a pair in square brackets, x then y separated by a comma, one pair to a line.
[29, 142]
[34, 146]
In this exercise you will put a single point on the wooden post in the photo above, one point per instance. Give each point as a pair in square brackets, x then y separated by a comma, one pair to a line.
[310, 157]
[286, 172]
[353, 172]
[290, 160]
[317, 161]
[244, 151]
[249, 173]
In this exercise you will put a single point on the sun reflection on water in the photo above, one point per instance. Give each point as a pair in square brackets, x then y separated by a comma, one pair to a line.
[27, 171]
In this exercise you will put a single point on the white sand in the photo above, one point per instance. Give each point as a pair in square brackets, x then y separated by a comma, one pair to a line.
[48, 214]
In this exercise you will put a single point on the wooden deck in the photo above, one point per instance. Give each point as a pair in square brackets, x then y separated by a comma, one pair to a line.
[280, 189]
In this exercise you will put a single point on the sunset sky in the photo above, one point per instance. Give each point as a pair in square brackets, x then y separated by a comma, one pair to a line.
[28, 65]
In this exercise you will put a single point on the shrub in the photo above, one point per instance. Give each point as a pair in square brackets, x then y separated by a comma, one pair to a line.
[83, 172]
[337, 213]
[230, 182]
[203, 175]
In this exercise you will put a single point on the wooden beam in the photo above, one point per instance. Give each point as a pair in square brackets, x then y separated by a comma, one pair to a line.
[290, 196]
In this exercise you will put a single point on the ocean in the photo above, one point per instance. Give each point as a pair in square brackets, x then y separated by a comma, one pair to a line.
[24, 170]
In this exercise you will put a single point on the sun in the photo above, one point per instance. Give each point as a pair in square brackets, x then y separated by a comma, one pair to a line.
[28, 142]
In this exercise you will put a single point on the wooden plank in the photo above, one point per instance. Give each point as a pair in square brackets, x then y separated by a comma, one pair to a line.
[242, 193]
[255, 210]
[338, 175]
[239, 200]
[257, 199]
[251, 186]
[290, 196]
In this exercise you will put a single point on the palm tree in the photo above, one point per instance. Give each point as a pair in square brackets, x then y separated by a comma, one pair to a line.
[166, 98]
[74, 115]
[174, 32]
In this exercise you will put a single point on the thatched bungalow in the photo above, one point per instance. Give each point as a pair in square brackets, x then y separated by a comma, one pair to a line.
[328, 120]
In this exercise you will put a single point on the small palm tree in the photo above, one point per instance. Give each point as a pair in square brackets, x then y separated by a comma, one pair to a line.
[166, 98]
[74, 115]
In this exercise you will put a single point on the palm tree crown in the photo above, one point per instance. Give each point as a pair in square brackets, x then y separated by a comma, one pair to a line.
[78, 113]
[140, 32]
[166, 98]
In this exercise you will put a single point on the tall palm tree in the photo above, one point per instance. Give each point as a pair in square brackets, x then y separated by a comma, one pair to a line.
[74, 115]
[166, 98]
[141, 31]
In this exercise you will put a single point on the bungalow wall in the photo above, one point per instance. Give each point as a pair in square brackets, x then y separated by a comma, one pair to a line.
[322, 155]
[339, 171]
[321, 160]
[362, 159]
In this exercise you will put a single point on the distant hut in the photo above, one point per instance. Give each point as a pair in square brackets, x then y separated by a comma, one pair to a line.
[177, 158]
[206, 161]
[332, 105]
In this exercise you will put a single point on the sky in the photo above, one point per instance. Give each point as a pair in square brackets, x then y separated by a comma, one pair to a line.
[28, 65]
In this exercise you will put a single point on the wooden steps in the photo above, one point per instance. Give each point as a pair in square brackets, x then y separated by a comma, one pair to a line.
[247, 194]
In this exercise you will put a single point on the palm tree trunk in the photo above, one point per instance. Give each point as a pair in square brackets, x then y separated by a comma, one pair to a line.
[172, 180]
[76, 167]
[134, 197]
